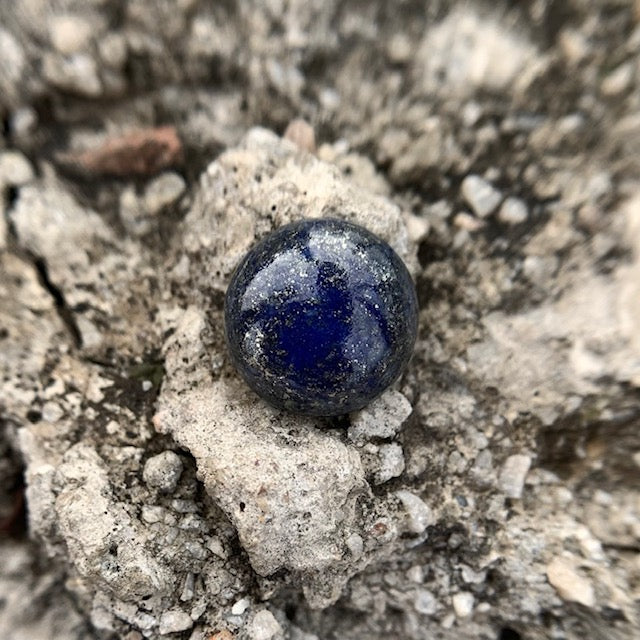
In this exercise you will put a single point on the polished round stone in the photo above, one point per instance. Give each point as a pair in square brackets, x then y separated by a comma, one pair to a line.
[321, 317]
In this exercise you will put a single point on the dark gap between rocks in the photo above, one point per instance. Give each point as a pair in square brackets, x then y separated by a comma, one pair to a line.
[63, 310]
[507, 633]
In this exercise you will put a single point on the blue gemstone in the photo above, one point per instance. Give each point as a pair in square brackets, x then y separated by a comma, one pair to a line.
[321, 317]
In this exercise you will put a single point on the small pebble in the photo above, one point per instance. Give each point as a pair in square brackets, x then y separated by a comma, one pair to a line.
[188, 588]
[240, 606]
[215, 546]
[382, 418]
[472, 577]
[152, 513]
[355, 544]
[618, 80]
[163, 191]
[69, 34]
[425, 603]
[463, 604]
[418, 514]
[163, 471]
[23, 122]
[184, 506]
[391, 462]
[15, 169]
[513, 211]
[174, 621]
[468, 223]
[569, 584]
[480, 195]
[417, 227]
[573, 44]
[471, 113]
[301, 133]
[264, 626]
[513, 475]
[448, 621]
[415, 574]
[77, 73]
[399, 48]
[113, 50]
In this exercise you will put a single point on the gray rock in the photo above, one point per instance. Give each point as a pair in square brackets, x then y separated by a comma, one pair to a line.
[513, 211]
[529, 341]
[15, 169]
[105, 544]
[391, 463]
[70, 33]
[382, 418]
[463, 604]
[418, 515]
[264, 626]
[77, 73]
[163, 471]
[14, 65]
[163, 191]
[513, 475]
[568, 582]
[174, 622]
[425, 602]
[480, 195]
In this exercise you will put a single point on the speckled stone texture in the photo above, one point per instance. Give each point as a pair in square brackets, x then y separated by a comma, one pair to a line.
[492, 493]
[321, 317]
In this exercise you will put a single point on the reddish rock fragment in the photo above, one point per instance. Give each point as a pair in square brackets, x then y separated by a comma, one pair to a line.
[143, 152]
[301, 133]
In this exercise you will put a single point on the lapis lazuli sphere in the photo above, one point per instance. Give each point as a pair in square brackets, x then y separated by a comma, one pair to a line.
[321, 317]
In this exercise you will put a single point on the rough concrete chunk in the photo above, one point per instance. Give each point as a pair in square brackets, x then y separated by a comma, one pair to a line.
[289, 489]
[104, 543]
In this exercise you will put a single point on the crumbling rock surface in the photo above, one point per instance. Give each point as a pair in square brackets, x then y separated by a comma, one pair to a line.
[289, 488]
[492, 493]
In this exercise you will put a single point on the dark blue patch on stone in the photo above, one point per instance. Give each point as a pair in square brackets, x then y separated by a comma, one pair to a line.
[321, 317]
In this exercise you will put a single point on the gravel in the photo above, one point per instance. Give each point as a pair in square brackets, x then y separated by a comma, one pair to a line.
[491, 491]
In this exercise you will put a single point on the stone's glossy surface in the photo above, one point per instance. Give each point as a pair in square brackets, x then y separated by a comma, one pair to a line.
[320, 317]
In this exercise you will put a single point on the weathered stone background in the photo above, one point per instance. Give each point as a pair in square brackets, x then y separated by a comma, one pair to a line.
[494, 494]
